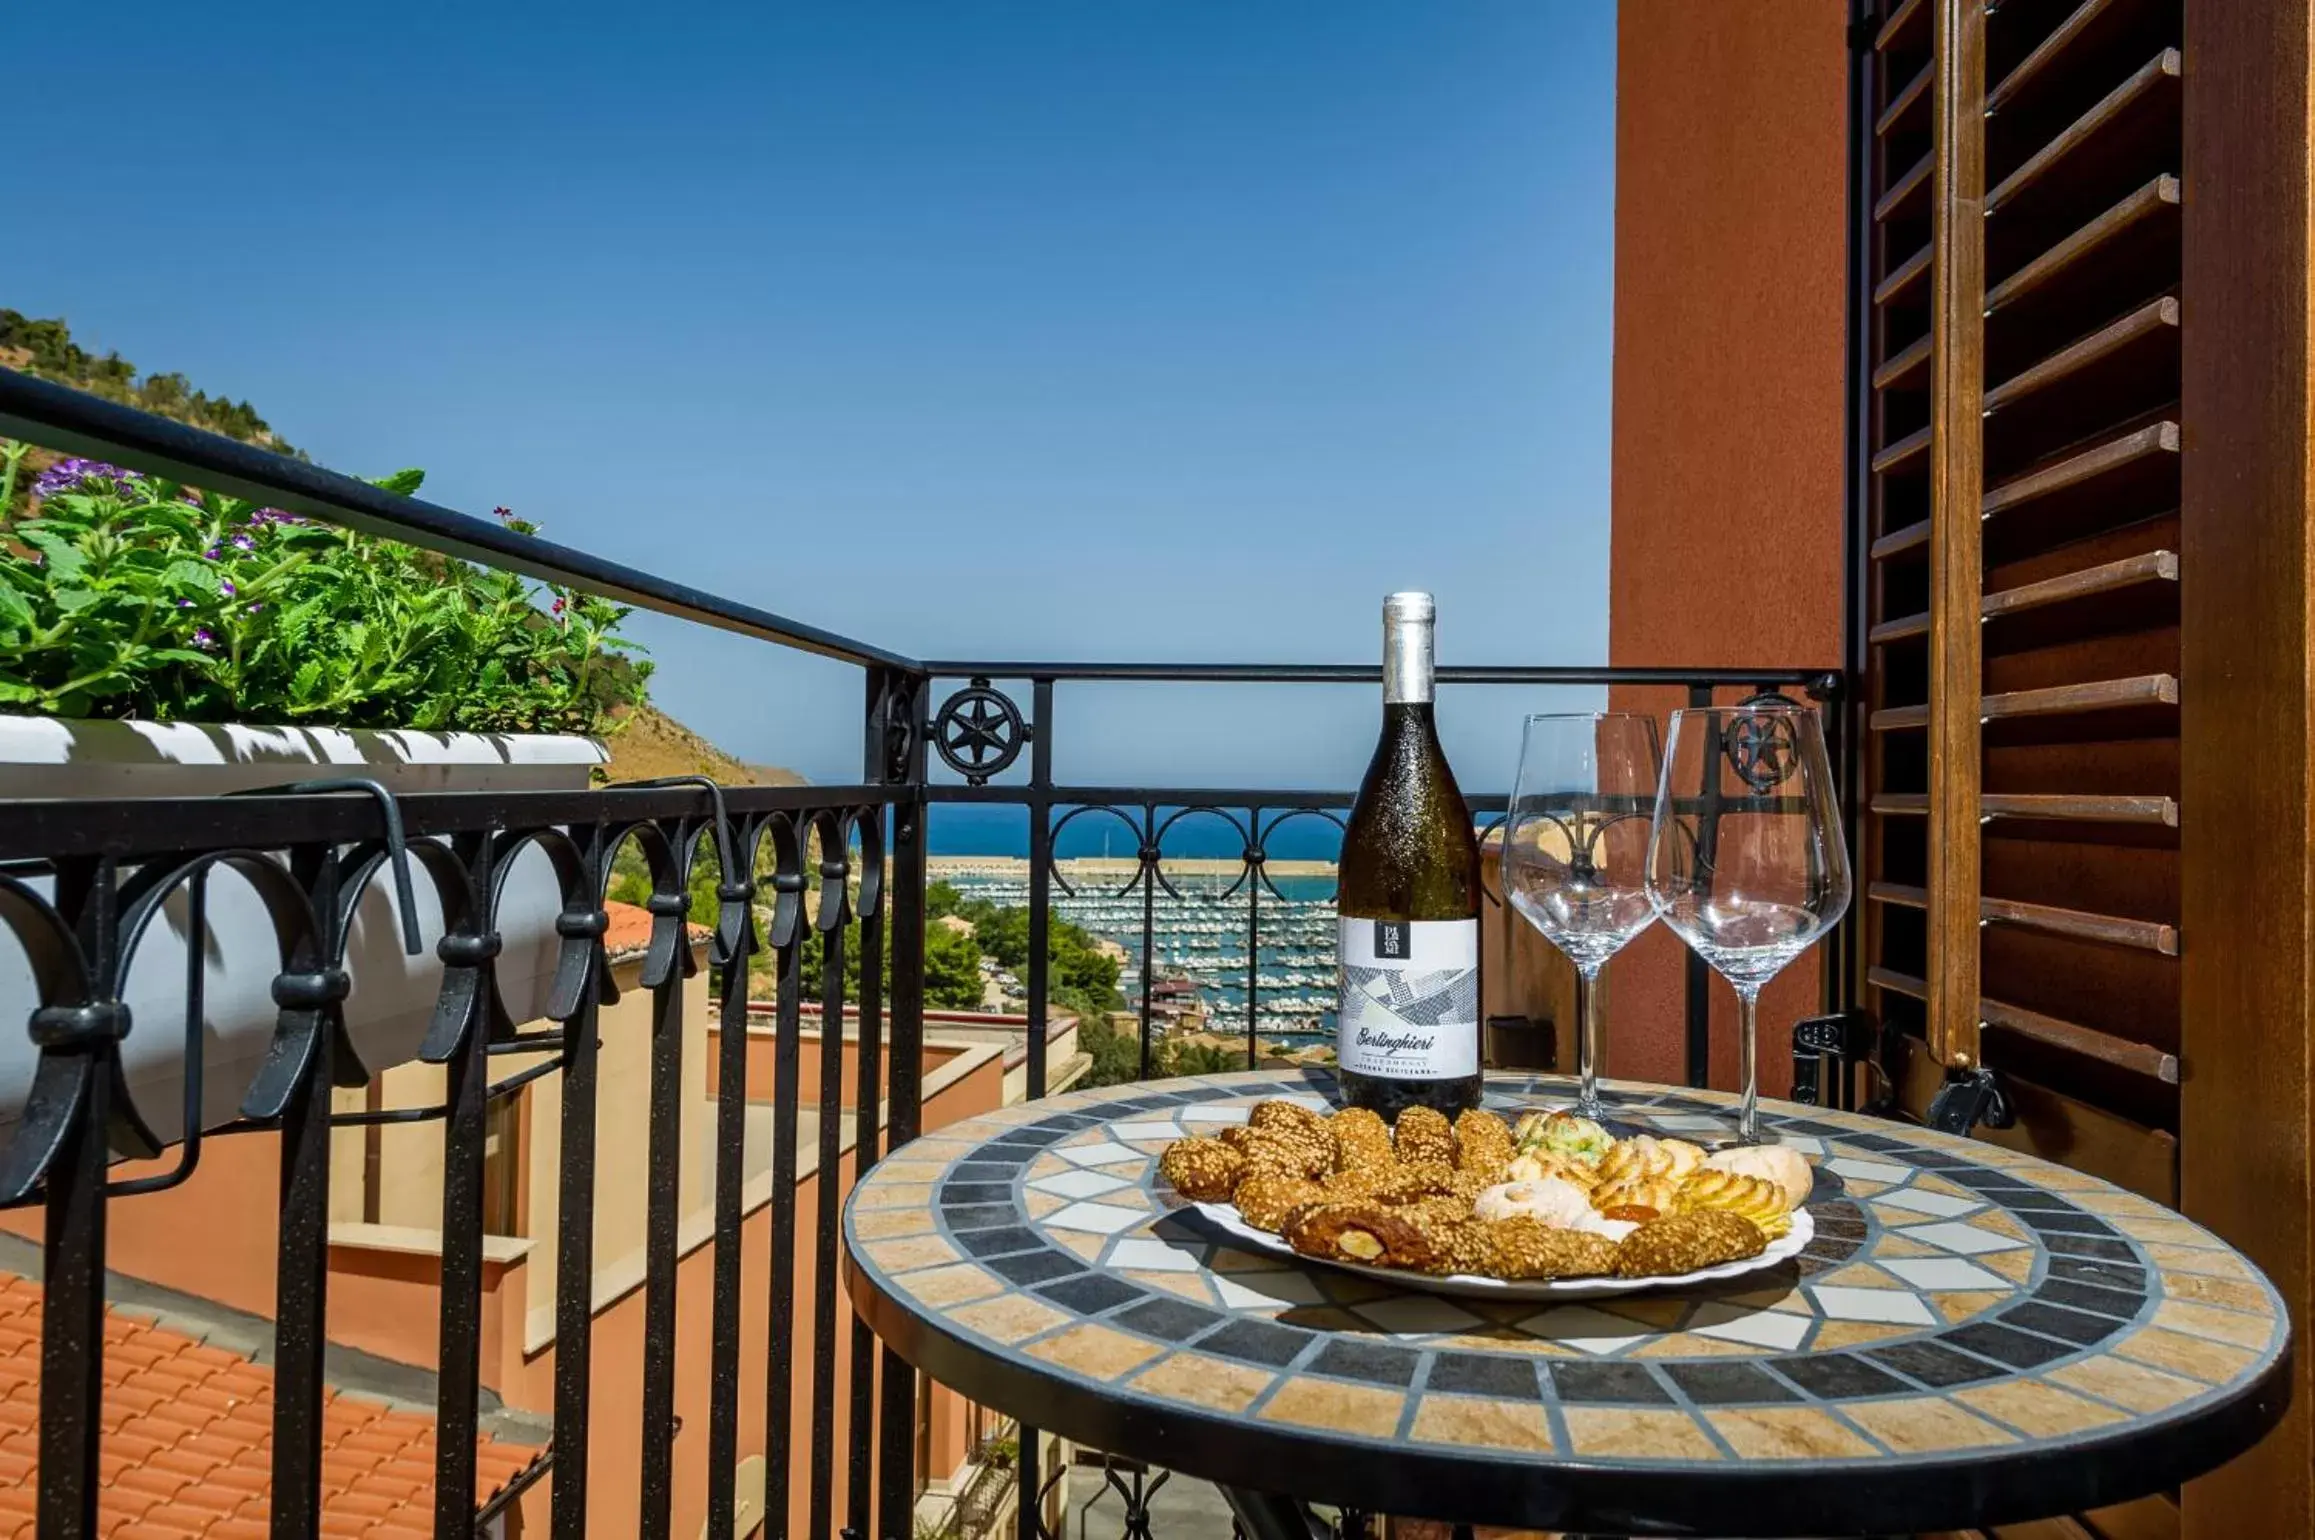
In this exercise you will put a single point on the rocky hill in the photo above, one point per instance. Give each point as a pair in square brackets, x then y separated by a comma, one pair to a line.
[650, 744]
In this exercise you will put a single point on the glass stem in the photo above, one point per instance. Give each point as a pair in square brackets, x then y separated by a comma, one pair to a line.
[1588, 1062]
[1748, 1065]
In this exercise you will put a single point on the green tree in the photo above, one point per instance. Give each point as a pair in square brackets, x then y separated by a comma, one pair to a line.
[1116, 1054]
[952, 968]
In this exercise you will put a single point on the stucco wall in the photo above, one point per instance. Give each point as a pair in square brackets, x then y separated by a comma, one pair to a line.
[1731, 123]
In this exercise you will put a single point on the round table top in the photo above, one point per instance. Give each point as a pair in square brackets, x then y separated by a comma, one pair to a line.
[1974, 1335]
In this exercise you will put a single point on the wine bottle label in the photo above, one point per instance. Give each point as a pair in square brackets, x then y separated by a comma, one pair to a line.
[1408, 1007]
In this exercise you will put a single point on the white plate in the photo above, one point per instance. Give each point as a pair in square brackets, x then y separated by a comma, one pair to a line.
[1784, 1247]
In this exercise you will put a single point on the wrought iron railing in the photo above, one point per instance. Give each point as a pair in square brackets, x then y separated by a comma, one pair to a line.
[81, 882]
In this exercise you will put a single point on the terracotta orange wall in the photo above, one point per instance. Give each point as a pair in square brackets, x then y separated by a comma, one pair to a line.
[214, 1236]
[762, 1060]
[1731, 198]
[615, 1427]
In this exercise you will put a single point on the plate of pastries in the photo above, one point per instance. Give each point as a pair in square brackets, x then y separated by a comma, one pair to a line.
[1552, 1205]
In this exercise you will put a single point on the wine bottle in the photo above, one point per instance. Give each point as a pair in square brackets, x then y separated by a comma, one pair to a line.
[1407, 944]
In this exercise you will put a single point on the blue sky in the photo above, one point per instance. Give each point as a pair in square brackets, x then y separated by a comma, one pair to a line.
[1154, 329]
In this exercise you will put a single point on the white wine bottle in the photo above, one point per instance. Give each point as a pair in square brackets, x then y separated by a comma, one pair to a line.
[1407, 947]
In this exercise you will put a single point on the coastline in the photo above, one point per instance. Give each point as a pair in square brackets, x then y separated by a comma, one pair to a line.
[1017, 867]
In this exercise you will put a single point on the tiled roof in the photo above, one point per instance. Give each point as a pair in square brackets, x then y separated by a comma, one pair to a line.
[188, 1435]
[630, 932]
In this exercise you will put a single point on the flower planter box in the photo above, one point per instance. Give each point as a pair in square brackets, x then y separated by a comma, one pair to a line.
[393, 994]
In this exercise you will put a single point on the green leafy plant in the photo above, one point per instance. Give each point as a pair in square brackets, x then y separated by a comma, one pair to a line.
[124, 595]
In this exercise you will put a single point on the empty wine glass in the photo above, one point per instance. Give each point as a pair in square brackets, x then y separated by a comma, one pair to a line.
[1575, 849]
[1746, 861]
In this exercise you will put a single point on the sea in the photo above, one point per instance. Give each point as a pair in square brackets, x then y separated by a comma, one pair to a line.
[1198, 931]
[979, 829]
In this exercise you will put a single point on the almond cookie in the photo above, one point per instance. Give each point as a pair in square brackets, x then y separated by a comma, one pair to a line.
[1361, 1138]
[1277, 1113]
[1682, 1243]
[1753, 1197]
[1483, 1143]
[1423, 1133]
[1267, 1202]
[1535, 1165]
[1521, 1247]
[1410, 1181]
[1644, 1156]
[1360, 1232]
[1306, 1152]
[1653, 1195]
[1205, 1169]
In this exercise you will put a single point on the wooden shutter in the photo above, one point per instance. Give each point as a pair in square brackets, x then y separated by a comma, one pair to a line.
[2019, 564]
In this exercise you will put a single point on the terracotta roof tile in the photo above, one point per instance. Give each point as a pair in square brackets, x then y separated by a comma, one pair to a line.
[188, 1439]
[630, 930]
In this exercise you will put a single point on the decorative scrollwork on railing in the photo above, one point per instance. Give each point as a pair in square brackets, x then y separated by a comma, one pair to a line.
[979, 732]
[1258, 855]
[1138, 828]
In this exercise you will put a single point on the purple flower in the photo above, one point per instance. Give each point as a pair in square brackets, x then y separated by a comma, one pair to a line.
[557, 607]
[213, 553]
[254, 608]
[503, 514]
[225, 587]
[184, 604]
[243, 542]
[204, 638]
[274, 516]
[79, 475]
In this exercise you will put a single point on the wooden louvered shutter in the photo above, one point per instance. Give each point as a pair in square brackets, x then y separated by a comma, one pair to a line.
[2089, 679]
[2018, 546]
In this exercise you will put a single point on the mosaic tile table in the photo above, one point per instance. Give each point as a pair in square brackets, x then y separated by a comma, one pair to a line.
[1974, 1336]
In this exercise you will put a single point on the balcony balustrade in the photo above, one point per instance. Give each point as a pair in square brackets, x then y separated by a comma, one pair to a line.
[753, 1395]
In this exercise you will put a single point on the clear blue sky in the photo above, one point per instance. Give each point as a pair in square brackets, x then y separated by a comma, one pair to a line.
[1162, 329]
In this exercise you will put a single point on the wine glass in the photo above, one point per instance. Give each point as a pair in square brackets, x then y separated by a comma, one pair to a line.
[1575, 849]
[1746, 861]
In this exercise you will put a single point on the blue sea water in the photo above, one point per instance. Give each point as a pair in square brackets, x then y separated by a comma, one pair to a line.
[971, 829]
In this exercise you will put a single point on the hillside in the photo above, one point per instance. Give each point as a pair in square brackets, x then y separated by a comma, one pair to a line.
[650, 744]
[45, 348]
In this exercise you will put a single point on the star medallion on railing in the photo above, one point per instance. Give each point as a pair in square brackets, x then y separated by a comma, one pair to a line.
[979, 732]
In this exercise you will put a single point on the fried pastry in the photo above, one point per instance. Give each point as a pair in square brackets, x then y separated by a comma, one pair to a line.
[1205, 1169]
[1522, 1247]
[1423, 1133]
[1361, 1138]
[1483, 1143]
[1360, 1232]
[1279, 1113]
[1306, 1152]
[1682, 1243]
[1752, 1197]
[1267, 1202]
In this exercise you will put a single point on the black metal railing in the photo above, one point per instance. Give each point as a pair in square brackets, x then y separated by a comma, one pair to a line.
[82, 881]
